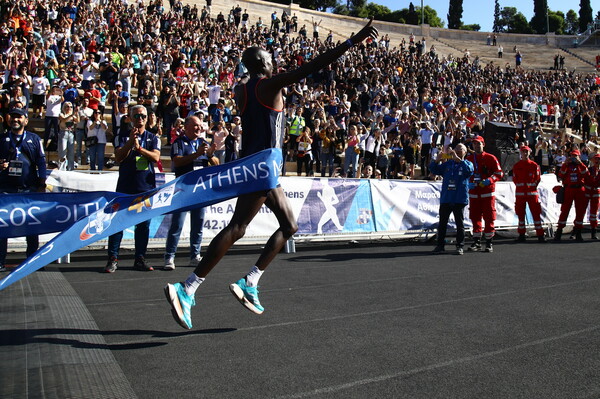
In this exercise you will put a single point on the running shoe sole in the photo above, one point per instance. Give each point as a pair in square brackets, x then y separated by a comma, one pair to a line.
[176, 310]
[239, 294]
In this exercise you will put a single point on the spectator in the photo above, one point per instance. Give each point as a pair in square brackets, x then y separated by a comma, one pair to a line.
[22, 169]
[68, 119]
[96, 128]
[136, 154]
[189, 152]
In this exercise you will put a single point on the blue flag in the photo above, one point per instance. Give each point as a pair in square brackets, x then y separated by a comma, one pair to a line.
[196, 189]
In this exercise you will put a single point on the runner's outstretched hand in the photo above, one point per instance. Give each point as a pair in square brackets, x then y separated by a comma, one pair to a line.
[368, 31]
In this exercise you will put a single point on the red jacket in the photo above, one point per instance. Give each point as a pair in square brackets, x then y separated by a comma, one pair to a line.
[592, 182]
[486, 167]
[526, 176]
[573, 175]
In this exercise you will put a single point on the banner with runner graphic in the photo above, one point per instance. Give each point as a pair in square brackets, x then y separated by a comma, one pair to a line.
[195, 189]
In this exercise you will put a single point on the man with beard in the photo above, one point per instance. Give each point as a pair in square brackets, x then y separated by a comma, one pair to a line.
[22, 168]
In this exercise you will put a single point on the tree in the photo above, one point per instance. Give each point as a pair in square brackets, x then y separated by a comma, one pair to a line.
[572, 23]
[496, 16]
[455, 10]
[471, 27]
[412, 18]
[431, 17]
[538, 22]
[512, 21]
[379, 12]
[556, 19]
[322, 5]
[585, 15]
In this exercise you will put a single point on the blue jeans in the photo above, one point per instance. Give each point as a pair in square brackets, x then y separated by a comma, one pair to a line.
[196, 221]
[142, 232]
[66, 148]
[350, 160]
[97, 156]
[79, 136]
[327, 161]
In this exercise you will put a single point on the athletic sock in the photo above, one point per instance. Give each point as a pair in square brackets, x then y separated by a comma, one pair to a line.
[192, 283]
[253, 276]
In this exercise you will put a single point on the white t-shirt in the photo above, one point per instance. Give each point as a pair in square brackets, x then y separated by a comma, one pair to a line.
[53, 105]
[98, 130]
[214, 93]
[40, 85]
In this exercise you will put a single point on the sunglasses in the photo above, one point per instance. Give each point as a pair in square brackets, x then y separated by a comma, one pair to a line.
[140, 116]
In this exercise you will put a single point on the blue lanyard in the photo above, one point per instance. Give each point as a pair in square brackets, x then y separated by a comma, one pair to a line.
[17, 147]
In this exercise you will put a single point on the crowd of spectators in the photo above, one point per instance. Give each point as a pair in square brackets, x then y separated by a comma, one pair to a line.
[390, 106]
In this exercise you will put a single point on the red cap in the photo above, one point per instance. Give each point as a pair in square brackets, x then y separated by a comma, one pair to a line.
[480, 139]
[575, 153]
[524, 148]
[597, 156]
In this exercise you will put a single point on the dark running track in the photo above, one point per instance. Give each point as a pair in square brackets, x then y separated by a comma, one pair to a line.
[379, 320]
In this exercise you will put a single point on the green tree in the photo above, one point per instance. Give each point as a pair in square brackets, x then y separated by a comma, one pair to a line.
[496, 16]
[471, 27]
[556, 19]
[378, 12]
[357, 7]
[538, 22]
[455, 11]
[412, 18]
[572, 23]
[512, 21]
[321, 5]
[585, 15]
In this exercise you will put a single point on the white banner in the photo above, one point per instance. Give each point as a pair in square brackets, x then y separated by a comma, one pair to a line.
[330, 206]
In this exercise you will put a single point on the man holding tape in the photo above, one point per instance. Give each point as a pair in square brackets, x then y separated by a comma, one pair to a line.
[22, 168]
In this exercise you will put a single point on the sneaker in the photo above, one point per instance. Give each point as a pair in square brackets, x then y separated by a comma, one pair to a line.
[181, 304]
[111, 265]
[248, 296]
[489, 247]
[142, 265]
[542, 239]
[169, 264]
[460, 251]
[476, 246]
[195, 260]
[438, 250]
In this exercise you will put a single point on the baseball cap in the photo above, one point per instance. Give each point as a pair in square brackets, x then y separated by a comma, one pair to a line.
[18, 111]
[480, 139]
[524, 148]
[118, 83]
[575, 153]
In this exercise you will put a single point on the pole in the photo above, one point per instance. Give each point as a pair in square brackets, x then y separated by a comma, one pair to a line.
[547, 19]
[422, 13]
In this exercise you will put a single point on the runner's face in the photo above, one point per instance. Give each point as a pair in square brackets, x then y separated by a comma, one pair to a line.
[478, 147]
[268, 63]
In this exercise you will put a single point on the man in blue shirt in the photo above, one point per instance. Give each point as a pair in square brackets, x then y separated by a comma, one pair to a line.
[189, 152]
[22, 168]
[455, 170]
[136, 153]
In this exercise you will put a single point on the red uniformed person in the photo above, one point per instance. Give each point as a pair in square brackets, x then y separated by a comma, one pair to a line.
[573, 175]
[482, 201]
[527, 176]
[592, 192]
